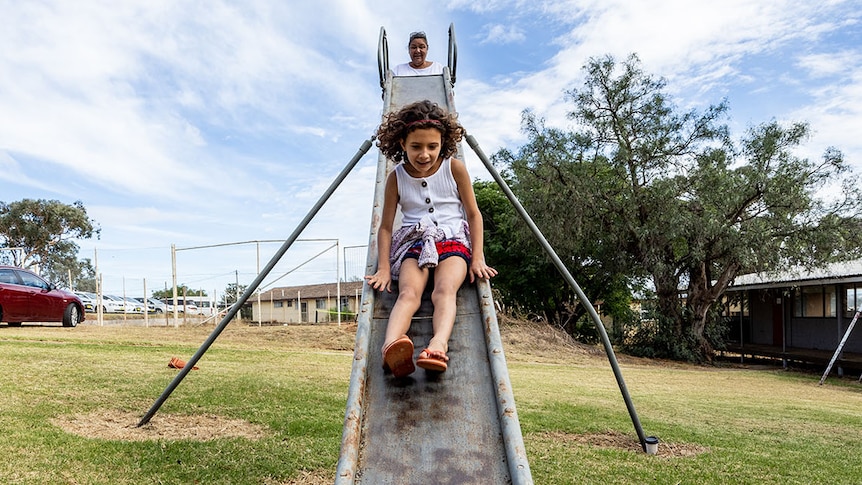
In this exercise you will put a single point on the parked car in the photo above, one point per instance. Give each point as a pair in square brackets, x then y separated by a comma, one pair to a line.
[113, 304]
[152, 305]
[88, 299]
[156, 306]
[182, 306]
[133, 306]
[26, 297]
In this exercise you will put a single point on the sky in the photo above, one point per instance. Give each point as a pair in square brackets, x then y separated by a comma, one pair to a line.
[221, 123]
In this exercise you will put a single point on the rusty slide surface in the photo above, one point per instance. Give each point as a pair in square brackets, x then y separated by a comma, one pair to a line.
[459, 427]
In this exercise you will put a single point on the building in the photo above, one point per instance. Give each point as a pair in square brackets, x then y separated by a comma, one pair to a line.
[797, 315]
[307, 304]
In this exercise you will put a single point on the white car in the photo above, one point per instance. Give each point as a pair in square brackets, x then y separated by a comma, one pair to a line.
[113, 304]
[91, 302]
[133, 306]
[88, 299]
[182, 306]
[154, 305]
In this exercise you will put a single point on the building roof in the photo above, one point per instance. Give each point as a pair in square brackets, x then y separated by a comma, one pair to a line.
[324, 290]
[844, 272]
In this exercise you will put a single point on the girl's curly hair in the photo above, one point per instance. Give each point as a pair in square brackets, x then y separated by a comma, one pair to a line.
[422, 114]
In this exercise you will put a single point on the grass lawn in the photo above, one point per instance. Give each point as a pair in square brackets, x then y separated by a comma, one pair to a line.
[267, 405]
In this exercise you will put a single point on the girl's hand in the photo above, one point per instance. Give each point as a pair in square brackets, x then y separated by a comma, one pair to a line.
[380, 280]
[478, 269]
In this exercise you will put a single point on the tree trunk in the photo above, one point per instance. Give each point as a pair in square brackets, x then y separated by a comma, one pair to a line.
[702, 294]
[667, 304]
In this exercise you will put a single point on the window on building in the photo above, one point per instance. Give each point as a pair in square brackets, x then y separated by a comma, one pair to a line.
[289, 303]
[830, 300]
[853, 301]
[735, 304]
[815, 301]
[278, 304]
[320, 303]
[808, 302]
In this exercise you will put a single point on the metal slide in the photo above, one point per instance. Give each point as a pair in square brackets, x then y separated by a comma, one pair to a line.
[460, 427]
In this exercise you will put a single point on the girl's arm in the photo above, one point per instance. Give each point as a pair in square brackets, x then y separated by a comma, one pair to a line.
[383, 277]
[478, 267]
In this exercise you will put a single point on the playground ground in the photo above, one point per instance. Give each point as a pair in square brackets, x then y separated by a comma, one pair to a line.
[267, 404]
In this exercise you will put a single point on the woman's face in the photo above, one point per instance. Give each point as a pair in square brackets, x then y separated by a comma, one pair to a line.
[418, 50]
[423, 147]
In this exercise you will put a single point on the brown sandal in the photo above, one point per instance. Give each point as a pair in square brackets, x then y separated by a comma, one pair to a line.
[398, 357]
[433, 360]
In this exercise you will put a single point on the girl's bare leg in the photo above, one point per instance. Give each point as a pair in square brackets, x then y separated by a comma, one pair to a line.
[448, 277]
[411, 284]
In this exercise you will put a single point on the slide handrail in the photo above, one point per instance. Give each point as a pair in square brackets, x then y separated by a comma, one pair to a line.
[382, 57]
[453, 53]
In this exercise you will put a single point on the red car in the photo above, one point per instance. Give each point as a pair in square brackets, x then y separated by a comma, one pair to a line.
[25, 297]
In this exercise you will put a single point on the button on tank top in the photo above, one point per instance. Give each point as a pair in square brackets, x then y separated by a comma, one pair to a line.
[435, 196]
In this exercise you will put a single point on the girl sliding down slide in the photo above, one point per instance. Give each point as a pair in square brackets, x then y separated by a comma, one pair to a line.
[441, 230]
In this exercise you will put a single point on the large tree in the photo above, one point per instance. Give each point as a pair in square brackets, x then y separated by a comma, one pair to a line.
[641, 189]
[549, 173]
[43, 233]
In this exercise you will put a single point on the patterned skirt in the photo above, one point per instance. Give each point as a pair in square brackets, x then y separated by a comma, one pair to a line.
[445, 249]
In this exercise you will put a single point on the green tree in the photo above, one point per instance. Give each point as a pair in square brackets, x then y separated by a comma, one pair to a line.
[555, 180]
[181, 290]
[519, 264]
[231, 294]
[45, 231]
[643, 190]
[68, 268]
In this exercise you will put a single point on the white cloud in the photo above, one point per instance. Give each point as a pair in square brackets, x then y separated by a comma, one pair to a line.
[502, 34]
[697, 46]
[830, 63]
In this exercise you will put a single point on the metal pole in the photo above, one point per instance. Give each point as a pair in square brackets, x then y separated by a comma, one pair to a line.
[146, 306]
[167, 318]
[100, 314]
[259, 312]
[743, 296]
[783, 334]
[236, 289]
[174, 281]
[125, 302]
[366, 145]
[568, 277]
[840, 348]
[101, 283]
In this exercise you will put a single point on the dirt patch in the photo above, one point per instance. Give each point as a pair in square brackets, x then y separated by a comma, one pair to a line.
[540, 342]
[625, 442]
[122, 425]
[318, 477]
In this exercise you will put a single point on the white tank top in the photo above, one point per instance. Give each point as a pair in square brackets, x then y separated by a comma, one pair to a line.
[435, 196]
[407, 70]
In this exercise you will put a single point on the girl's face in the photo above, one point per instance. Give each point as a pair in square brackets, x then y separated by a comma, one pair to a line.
[423, 147]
